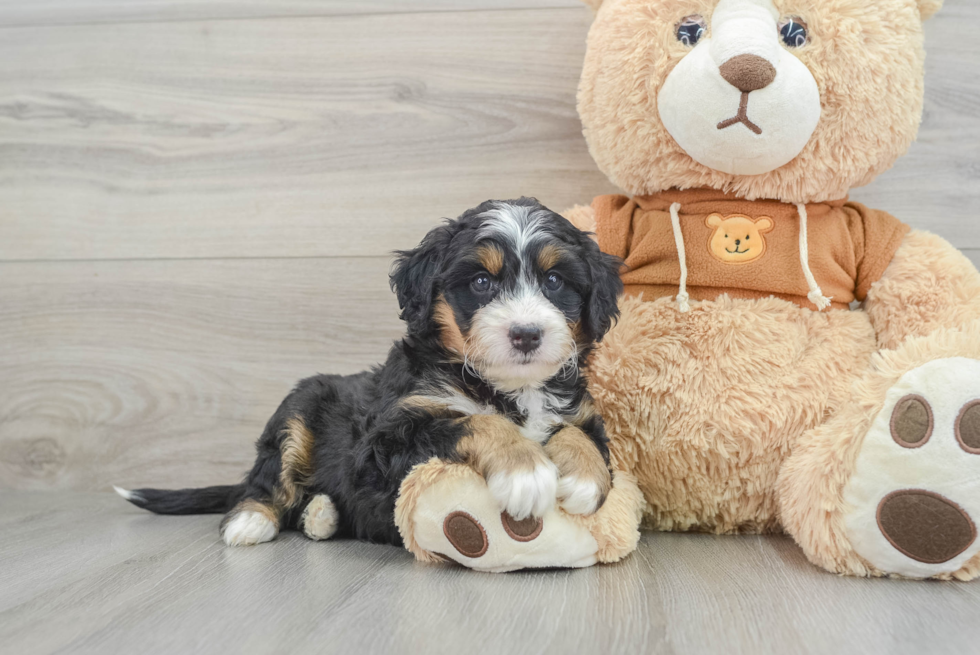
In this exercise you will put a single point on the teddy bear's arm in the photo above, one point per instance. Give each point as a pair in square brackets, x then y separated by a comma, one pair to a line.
[928, 285]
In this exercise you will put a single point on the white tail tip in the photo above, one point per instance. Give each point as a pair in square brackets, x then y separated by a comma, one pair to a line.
[126, 493]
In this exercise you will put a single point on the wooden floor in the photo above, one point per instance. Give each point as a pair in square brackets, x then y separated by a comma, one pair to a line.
[82, 573]
[198, 201]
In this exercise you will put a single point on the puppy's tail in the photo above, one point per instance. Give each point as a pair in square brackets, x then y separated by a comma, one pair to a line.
[206, 500]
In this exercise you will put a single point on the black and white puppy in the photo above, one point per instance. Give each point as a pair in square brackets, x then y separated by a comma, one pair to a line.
[502, 306]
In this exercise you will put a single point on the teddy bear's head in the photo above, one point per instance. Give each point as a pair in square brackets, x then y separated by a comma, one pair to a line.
[796, 100]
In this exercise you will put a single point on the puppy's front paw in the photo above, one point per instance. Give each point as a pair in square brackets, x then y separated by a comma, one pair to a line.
[525, 491]
[585, 479]
[518, 472]
[579, 496]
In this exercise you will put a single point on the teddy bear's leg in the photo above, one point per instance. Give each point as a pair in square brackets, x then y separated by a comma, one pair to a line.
[891, 484]
[446, 512]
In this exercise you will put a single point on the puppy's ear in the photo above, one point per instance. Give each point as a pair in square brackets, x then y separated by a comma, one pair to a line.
[415, 273]
[602, 306]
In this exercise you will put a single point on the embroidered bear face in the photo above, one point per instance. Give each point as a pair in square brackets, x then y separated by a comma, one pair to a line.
[738, 239]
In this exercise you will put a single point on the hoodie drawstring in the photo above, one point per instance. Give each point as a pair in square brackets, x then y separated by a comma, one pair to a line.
[816, 295]
[683, 300]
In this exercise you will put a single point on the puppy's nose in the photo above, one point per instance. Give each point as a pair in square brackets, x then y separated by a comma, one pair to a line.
[525, 338]
[748, 72]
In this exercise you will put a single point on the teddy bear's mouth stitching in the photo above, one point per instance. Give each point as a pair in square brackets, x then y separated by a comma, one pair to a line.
[742, 116]
[737, 251]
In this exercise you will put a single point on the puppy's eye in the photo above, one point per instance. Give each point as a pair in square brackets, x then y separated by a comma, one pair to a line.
[553, 282]
[691, 29]
[793, 31]
[481, 283]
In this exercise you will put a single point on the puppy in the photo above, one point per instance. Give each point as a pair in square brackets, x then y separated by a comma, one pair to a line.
[502, 307]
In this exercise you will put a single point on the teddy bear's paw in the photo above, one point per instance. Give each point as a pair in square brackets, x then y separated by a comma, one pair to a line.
[445, 511]
[913, 501]
[448, 512]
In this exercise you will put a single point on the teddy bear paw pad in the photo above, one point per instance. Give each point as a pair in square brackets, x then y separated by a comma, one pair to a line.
[466, 534]
[525, 530]
[913, 499]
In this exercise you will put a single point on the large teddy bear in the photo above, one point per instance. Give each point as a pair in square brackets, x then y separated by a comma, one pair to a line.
[743, 388]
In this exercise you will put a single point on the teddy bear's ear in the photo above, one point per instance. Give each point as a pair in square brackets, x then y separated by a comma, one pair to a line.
[928, 7]
[596, 3]
[713, 220]
[764, 224]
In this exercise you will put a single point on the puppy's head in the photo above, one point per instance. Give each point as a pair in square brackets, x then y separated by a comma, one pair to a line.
[510, 288]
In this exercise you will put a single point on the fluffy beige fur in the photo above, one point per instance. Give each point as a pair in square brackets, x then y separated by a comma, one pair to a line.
[704, 407]
[929, 285]
[867, 59]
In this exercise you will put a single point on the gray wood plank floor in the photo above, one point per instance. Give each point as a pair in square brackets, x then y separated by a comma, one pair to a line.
[83, 573]
[198, 201]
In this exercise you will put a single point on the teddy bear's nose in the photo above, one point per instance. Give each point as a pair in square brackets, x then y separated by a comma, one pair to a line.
[738, 241]
[748, 72]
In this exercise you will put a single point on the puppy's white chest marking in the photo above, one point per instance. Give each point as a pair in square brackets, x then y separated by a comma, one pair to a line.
[542, 412]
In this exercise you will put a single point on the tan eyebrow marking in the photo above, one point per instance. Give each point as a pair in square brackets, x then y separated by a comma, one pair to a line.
[492, 259]
[549, 256]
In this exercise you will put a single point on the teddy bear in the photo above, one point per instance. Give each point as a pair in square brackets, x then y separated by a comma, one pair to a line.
[786, 360]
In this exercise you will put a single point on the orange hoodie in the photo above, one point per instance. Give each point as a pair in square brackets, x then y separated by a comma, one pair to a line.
[747, 249]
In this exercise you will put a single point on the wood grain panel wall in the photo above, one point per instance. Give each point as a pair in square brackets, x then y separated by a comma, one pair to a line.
[282, 138]
[21, 13]
[198, 200]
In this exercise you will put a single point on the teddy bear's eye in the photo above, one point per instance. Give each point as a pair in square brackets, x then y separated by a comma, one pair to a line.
[793, 31]
[691, 29]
